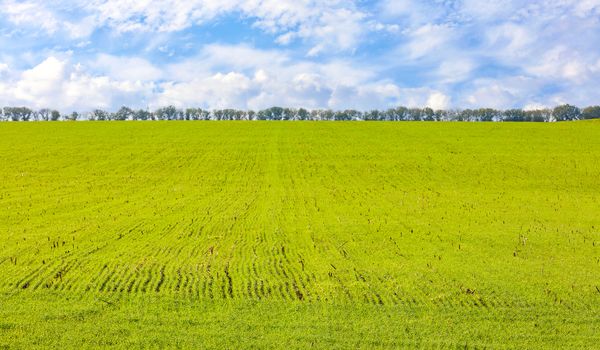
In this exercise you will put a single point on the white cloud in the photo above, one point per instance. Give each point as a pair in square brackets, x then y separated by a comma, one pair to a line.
[242, 56]
[490, 9]
[38, 14]
[41, 82]
[29, 13]
[3, 68]
[412, 13]
[269, 77]
[502, 93]
[587, 7]
[562, 63]
[502, 53]
[492, 95]
[259, 79]
[428, 39]
[352, 54]
[126, 68]
[218, 77]
[57, 83]
[423, 97]
[229, 90]
[365, 96]
[455, 69]
[510, 40]
[330, 24]
[438, 100]
[531, 106]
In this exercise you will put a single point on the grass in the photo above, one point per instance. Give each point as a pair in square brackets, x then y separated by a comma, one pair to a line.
[298, 234]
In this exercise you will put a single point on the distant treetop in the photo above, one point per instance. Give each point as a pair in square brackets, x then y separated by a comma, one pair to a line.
[560, 113]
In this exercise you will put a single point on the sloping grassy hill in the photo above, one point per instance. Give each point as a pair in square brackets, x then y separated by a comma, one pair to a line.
[297, 234]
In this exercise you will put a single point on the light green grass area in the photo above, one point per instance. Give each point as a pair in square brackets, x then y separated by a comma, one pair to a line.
[299, 234]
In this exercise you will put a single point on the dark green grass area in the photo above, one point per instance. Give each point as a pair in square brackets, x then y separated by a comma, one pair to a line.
[299, 234]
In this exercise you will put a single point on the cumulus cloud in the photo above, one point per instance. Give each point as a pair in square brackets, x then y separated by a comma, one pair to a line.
[41, 15]
[455, 69]
[478, 50]
[251, 78]
[428, 39]
[3, 68]
[491, 95]
[367, 96]
[126, 68]
[312, 53]
[438, 100]
[57, 83]
[230, 90]
[510, 40]
[221, 81]
[335, 24]
[247, 77]
[562, 63]
[29, 13]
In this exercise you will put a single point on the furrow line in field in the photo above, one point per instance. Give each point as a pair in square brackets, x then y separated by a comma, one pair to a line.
[127, 281]
[106, 278]
[143, 287]
[161, 279]
[69, 280]
[26, 281]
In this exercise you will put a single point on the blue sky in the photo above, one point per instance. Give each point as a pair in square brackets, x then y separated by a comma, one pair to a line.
[81, 55]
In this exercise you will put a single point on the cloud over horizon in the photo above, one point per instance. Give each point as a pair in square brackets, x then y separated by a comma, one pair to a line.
[254, 54]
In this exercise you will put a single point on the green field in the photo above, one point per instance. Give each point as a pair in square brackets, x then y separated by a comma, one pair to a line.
[299, 234]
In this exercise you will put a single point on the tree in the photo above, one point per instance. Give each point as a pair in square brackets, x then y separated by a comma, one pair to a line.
[18, 113]
[468, 115]
[372, 115]
[98, 114]
[261, 115]
[166, 113]
[566, 112]
[288, 114]
[415, 114]
[440, 115]
[514, 115]
[217, 114]
[348, 114]
[141, 114]
[485, 114]
[538, 115]
[315, 114]
[54, 115]
[124, 113]
[275, 113]
[401, 113]
[44, 114]
[26, 114]
[592, 112]
[327, 114]
[451, 114]
[231, 114]
[302, 114]
[428, 114]
[353, 114]
[395, 114]
[240, 115]
[73, 116]
[192, 113]
[559, 113]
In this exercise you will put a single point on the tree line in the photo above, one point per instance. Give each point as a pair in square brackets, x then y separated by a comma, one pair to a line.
[560, 113]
